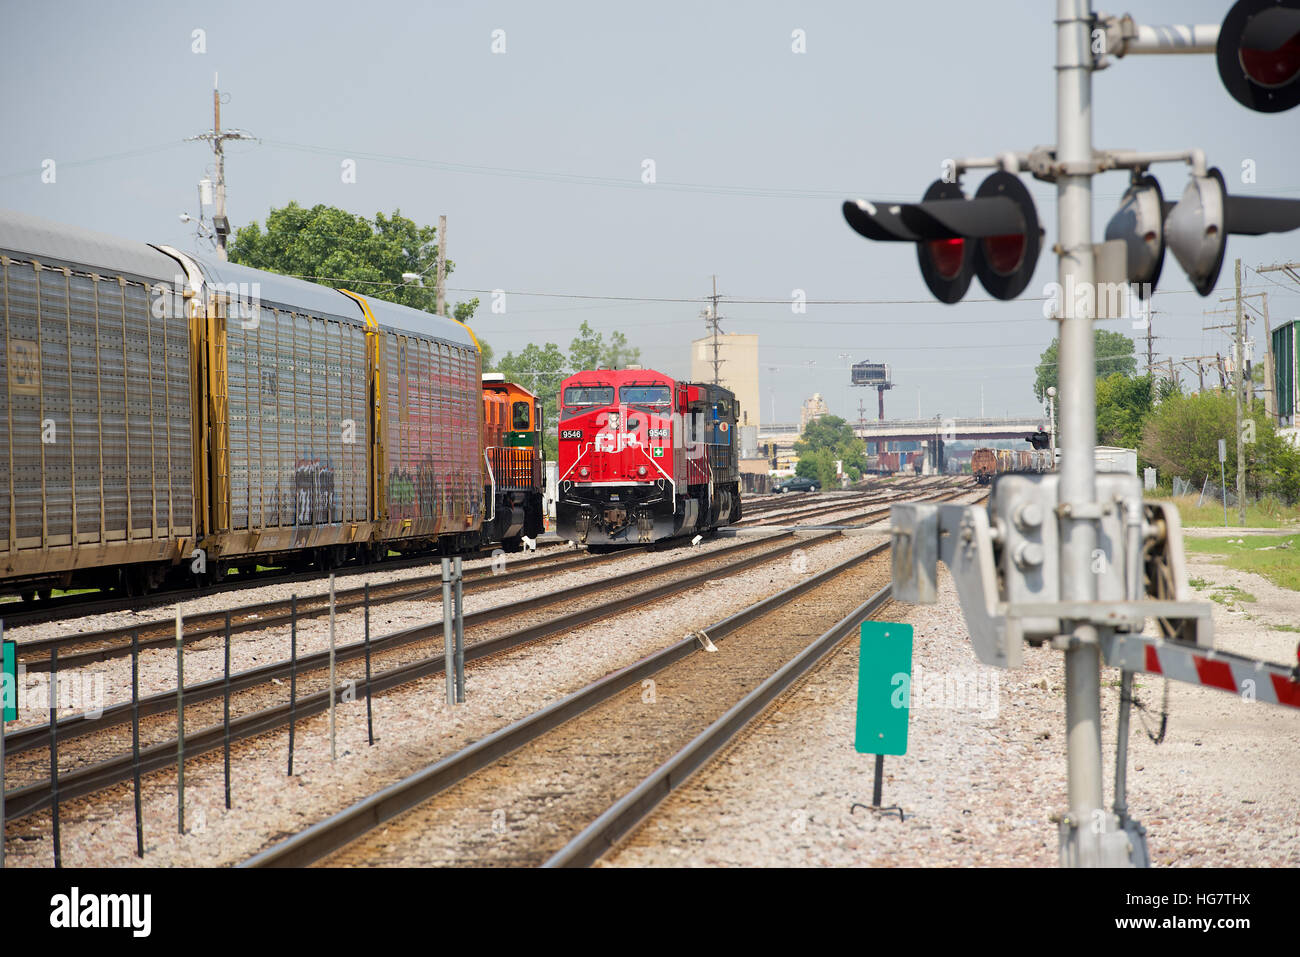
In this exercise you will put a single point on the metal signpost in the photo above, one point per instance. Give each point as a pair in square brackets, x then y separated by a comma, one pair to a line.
[1076, 558]
[8, 712]
[1223, 479]
[884, 697]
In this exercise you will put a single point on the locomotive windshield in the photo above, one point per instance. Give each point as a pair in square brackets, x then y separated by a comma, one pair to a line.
[645, 395]
[589, 395]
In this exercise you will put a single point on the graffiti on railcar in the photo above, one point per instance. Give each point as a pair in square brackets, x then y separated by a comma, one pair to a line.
[314, 498]
[414, 494]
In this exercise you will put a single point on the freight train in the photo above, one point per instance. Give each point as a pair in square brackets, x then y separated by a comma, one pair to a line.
[644, 457]
[986, 463]
[887, 463]
[170, 415]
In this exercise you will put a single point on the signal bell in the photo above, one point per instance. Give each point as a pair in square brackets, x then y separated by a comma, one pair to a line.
[995, 235]
[1258, 54]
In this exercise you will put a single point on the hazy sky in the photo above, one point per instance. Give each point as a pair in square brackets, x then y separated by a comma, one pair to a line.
[536, 156]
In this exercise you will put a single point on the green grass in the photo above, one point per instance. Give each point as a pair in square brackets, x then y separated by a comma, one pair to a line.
[1275, 557]
[1285, 627]
[1267, 513]
[1227, 594]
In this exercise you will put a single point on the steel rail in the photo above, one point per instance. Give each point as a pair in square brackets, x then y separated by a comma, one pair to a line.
[622, 817]
[338, 830]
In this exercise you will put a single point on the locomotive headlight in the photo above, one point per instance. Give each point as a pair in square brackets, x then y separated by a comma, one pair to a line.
[584, 471]
[642, 470]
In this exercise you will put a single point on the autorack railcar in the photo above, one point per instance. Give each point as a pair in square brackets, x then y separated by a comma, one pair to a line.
[170, 412]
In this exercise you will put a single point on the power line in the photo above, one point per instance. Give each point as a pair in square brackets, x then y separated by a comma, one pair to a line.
[629, 182]
[92, 160]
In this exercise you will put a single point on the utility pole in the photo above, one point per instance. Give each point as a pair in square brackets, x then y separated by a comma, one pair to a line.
[1238, 385]
[442, 265]
[1270, 383]
[1270, 389]
[1150, 339]
[1288, 268]
[713, 319]
[217, 137]
[1200, 362]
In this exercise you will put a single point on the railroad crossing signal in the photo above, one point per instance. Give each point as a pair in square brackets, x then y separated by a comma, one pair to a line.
[995, 236]
[1195, 228]
[1040, 439]
[1026, 566]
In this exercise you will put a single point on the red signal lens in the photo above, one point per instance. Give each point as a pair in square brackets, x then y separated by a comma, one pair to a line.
[1005, 253]
[1273, 68]
[947, 256]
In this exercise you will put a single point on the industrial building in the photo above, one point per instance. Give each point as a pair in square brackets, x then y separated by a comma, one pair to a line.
[737, 369]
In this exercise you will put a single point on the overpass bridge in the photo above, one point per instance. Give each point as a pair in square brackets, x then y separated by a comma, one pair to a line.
[920, 430]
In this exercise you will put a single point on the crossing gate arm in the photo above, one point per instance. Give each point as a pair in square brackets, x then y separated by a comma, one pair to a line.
[1252, 679]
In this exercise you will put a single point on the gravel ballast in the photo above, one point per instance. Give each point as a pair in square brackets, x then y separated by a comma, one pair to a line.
[982, 789]
[414, 725]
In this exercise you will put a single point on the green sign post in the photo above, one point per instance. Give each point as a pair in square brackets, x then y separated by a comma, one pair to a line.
[9, 690]
[884, 693]
[9, 707]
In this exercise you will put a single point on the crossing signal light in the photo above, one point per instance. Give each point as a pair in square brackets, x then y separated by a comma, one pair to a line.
[994, 236]
[1140, 223]
[1198, 225]
[1039, 440]
[1195, 228]
[1258, 54]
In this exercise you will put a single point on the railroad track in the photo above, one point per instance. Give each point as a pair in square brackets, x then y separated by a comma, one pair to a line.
[779, 502]
[811, 509]
[943, 493]
[109, 643]
[19, 613]
[564, 816]
[789, 507]
[91, 778]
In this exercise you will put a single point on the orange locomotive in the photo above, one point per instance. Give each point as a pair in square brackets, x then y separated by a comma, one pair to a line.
[512, 452]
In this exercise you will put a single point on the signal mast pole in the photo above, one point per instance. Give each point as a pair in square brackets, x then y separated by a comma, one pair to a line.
[1080, 842]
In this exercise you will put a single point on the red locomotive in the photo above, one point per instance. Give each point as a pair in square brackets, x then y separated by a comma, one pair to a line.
[644, 457]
